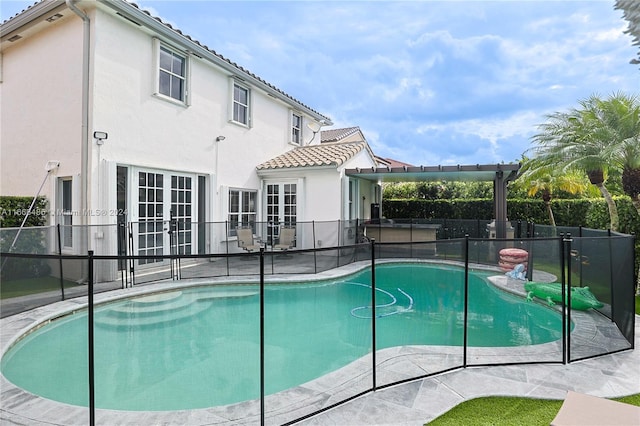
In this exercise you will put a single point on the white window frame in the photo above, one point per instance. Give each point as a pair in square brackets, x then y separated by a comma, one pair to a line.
[158, 48]
[241, 213]
[232, 103]
[65, 211]
[296, 128]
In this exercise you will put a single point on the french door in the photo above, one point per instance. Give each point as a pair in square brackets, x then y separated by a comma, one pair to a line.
[165, 214]
[281, 206]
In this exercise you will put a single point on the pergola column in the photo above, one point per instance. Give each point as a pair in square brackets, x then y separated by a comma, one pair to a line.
[500, 203]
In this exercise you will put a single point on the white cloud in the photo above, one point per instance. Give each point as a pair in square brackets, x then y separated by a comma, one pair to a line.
[429, 82]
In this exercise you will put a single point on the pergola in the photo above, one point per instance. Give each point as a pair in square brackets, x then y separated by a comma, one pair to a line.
[500, 174]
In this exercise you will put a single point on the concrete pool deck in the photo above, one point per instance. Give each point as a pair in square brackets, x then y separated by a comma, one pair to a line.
[412, 403]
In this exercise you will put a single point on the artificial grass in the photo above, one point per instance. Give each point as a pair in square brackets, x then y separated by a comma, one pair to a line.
[495, 410]
[510, 411]
[27, 286]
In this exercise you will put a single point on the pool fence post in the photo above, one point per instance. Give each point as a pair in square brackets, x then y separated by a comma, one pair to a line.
[132, 261]
[530, 245]
[563, 282]
[466, 299]
[568, 294]
[410, 237]
[92, 397]
[60, 261]
[579, 256]
[262, 335]
[315, 260]
[339, 243]
[611, 295]
[373, 312]
[226, 243]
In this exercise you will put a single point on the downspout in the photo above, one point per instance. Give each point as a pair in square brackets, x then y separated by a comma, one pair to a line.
[84, 151]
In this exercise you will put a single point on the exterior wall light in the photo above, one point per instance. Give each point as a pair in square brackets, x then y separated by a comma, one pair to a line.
[100, 137]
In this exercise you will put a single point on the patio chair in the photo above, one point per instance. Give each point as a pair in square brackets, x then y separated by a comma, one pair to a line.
[246, 241]
[287, 239]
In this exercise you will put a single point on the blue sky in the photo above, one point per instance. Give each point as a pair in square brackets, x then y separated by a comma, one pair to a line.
[428, 82]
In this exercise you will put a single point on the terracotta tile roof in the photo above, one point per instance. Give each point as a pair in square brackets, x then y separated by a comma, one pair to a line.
[390, 162]
[335, 135]
[326, 154]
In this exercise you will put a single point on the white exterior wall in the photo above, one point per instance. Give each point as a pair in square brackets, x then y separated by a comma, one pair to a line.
[149, 131]
[323, 199]
[40, 115]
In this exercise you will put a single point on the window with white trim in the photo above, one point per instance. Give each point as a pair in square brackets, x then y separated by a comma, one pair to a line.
[296, 128]
[242, 209]
[65, 212]
[241, 97]
[172, 79]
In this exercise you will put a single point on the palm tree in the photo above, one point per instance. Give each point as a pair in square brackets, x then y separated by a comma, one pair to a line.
[602, 134]
[622, 114]
[546, 181]
[579, 140]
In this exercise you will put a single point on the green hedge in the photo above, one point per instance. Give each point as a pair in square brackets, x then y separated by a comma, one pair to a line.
[12, 212]
[14, 209]
[592, 213]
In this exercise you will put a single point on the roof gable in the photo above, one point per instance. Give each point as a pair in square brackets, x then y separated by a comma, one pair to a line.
[326, 154]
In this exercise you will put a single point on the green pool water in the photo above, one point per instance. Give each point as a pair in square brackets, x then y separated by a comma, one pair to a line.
[199, 347]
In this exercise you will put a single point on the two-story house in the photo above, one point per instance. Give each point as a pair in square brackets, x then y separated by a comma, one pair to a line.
[133, 121]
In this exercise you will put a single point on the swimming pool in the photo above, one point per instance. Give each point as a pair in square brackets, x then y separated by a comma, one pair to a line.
[199, 347]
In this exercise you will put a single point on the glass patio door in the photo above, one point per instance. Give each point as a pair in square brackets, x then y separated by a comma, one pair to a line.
[151, 235]
[181, 208]
[164, 220]
[281, 206]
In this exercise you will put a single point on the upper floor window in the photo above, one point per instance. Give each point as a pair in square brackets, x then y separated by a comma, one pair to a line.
[172, 79]
[296, 128]
[241, 104]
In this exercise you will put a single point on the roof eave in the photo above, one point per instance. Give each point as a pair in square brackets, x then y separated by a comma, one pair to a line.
[296, 169]
[136, 14]
[29, 17]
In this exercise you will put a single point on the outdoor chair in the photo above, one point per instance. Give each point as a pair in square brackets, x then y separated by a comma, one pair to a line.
[246, 241]
[287, 239]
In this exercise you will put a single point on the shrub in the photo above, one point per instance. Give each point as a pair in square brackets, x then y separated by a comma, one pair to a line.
[12, 212]
[14, 209]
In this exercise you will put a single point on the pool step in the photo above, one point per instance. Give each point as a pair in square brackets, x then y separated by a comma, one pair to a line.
[162, 308]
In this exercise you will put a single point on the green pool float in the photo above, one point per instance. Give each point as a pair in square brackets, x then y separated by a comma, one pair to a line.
[581, 298]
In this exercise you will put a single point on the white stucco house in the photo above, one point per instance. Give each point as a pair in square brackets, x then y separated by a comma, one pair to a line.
[136, 122]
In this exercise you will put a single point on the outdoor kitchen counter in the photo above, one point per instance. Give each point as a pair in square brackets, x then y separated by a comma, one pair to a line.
[401, 232]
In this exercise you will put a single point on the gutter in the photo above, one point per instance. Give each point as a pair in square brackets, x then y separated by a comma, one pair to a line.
[84, 168]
